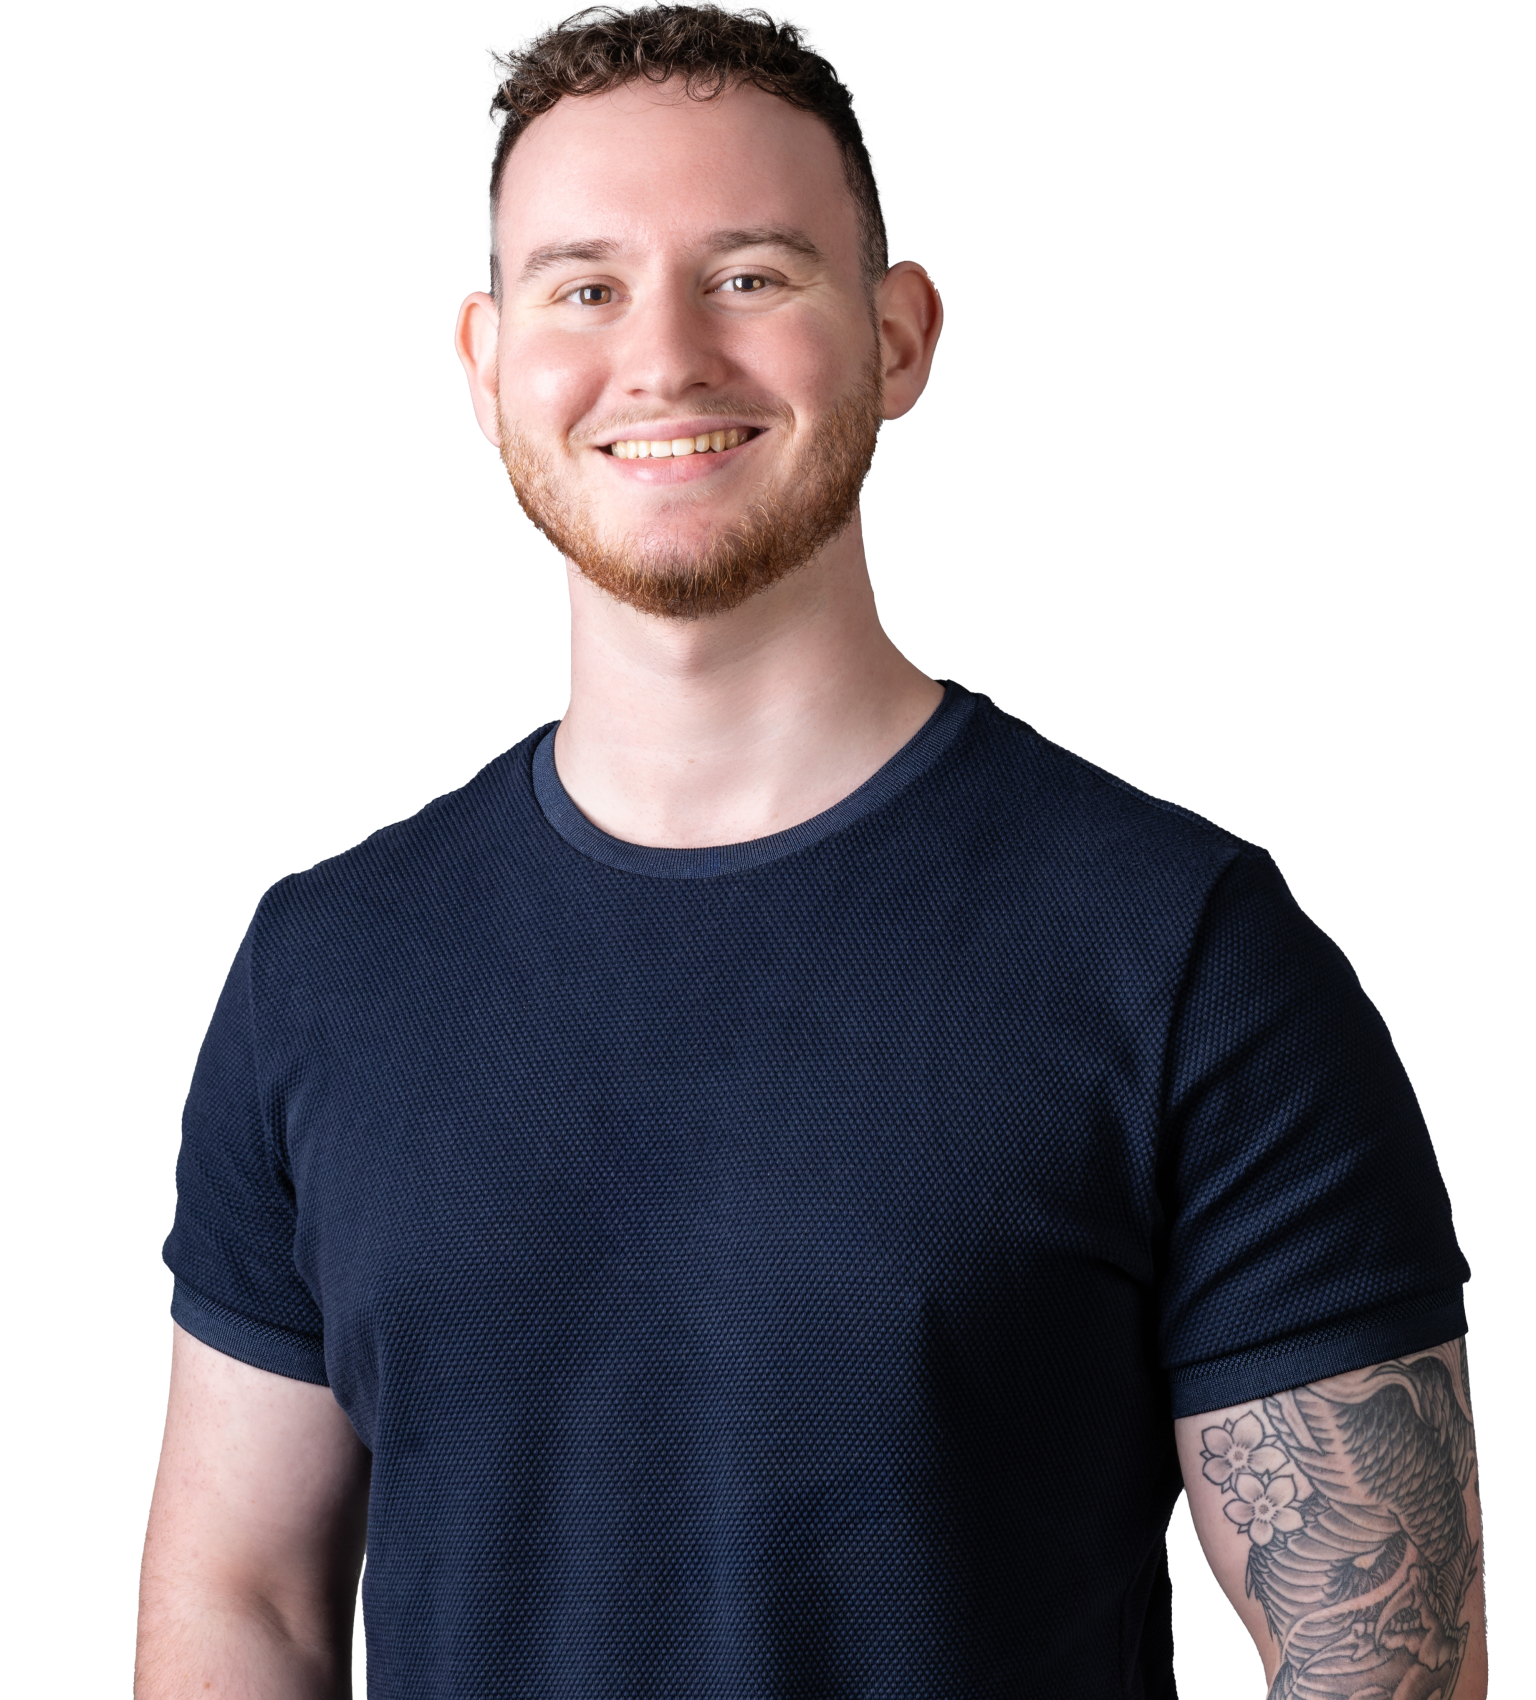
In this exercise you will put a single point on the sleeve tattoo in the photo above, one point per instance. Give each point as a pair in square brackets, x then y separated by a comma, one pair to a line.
[1352, 1494]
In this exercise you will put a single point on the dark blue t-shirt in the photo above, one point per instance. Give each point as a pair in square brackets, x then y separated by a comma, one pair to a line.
[773, 1270]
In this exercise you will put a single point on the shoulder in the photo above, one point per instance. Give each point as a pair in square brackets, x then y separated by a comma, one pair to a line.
[416, 872]
[1047, 807]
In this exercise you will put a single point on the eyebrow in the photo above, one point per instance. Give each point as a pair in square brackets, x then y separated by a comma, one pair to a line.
[717, 242]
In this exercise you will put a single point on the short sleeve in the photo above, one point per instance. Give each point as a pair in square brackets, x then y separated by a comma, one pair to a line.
[231, 1248]
[1308, 1231]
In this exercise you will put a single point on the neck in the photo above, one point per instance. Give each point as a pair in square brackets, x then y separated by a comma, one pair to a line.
[686, 733]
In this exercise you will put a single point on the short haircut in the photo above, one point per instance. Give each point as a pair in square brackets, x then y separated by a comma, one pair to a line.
[712, 50]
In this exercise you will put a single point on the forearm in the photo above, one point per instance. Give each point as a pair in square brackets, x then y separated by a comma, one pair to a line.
[194, 1645]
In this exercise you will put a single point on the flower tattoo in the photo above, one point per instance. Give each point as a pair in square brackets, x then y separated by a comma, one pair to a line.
[1243, 1460]
[1261, 1510]
[1237, 1446]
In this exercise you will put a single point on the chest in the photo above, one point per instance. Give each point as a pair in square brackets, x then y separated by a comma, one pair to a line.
[745, 1151]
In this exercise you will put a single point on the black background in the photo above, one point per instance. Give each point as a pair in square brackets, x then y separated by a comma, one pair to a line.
[1197, 490]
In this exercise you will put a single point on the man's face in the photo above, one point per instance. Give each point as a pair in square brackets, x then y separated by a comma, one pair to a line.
[686, 274]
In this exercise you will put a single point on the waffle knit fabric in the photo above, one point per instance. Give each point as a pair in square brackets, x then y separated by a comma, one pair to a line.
[773, 1270]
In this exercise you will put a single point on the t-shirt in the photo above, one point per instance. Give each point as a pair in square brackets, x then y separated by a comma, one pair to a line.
[773, 1270]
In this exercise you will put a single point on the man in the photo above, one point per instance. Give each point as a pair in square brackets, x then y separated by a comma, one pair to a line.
[761, 1192]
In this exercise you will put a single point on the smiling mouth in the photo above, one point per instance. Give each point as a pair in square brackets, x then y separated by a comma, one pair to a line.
[663, 448]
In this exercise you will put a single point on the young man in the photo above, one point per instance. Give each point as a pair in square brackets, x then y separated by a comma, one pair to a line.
[761, 1192]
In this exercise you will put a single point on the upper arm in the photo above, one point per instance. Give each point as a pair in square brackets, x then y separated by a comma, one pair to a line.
[1342, 1520]
[260, 1502]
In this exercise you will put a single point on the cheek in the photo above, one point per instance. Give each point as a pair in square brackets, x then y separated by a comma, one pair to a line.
[549, 381]
[810, 363]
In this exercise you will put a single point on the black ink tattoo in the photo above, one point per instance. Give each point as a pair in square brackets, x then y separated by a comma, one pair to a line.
[1352, 1495]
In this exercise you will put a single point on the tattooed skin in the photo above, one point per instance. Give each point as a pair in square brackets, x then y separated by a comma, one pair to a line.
[1352, 1495]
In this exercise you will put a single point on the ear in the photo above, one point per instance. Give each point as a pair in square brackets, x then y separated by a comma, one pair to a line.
[474, 338]
[910, 316]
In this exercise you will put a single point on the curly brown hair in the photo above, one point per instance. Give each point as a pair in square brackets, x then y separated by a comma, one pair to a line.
[711, 50]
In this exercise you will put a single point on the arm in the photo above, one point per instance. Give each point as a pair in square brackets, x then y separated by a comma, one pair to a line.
[1342, 1521]
[255, 1538]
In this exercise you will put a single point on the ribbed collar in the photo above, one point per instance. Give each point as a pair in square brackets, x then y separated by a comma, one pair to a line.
[915, 757]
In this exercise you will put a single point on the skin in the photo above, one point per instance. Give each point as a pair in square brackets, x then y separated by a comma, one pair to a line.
[690, 732]
[255, 1539]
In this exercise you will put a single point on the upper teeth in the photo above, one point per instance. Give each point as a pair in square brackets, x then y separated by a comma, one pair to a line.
[661, 447]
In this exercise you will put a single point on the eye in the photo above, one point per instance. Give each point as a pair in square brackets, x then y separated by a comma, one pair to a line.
[592, 295]
[744, 283]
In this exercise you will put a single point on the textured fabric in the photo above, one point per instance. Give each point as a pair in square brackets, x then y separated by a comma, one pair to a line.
[779, 1281]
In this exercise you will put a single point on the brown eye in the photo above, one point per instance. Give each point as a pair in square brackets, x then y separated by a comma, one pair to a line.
[594, 295]
[746, 284]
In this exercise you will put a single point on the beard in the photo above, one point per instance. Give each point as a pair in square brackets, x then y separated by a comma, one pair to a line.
[811, 502]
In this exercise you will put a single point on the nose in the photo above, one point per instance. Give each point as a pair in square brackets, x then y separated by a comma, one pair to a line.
[670, 348]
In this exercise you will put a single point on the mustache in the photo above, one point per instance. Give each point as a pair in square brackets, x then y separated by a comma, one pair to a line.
[722, 406]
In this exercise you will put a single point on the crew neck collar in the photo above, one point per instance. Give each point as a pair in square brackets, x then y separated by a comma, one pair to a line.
[937, 733]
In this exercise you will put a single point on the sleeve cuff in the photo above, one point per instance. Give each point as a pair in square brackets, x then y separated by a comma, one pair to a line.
[301, 1357]
[1237, 1377]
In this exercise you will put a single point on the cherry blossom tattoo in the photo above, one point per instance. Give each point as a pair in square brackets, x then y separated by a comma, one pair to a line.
[1352, 1493]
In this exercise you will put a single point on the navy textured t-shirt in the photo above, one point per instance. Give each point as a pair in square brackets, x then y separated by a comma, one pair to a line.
[773, 1270]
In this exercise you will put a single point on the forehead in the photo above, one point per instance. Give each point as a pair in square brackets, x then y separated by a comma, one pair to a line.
[648, 166]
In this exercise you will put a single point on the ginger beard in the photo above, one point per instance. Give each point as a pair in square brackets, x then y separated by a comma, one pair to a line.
[809, 502]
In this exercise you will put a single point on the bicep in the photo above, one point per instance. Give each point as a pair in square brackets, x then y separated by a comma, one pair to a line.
[261, 1493]
[1342, 1520]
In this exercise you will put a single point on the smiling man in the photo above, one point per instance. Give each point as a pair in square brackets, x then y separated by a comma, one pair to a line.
[762, 1192]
